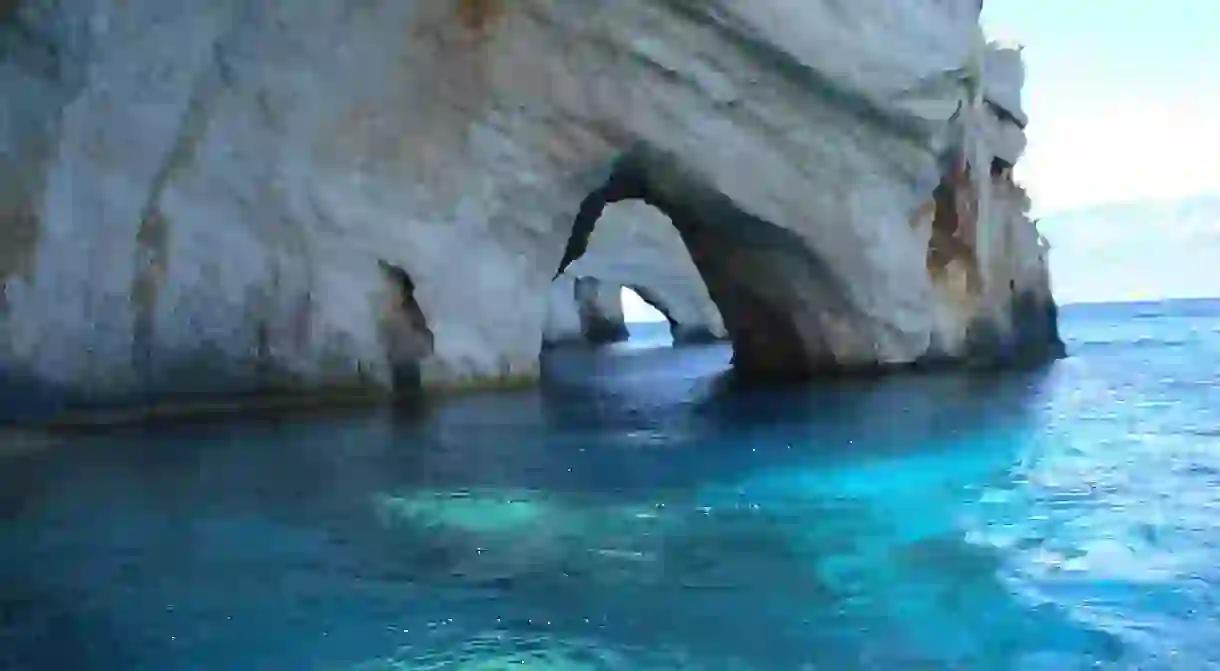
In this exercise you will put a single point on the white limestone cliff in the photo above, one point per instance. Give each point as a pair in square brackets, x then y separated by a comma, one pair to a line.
[203, 196]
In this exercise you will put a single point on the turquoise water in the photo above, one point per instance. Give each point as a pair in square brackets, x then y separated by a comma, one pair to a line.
[635, 513]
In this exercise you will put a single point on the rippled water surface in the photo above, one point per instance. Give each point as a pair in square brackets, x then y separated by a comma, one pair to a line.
[634, 514]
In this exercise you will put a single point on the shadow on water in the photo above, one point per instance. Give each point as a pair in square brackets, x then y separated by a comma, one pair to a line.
[631, 510]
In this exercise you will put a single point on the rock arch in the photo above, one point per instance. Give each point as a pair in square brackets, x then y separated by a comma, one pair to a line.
[783, 309]
[635, 246]
[682, 332]
[795, 148]
[589, 311]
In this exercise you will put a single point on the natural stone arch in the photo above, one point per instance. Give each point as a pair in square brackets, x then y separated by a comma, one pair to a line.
[634, 247]
[589, 311]
[682, 333]
[779, 300]
[241, 222]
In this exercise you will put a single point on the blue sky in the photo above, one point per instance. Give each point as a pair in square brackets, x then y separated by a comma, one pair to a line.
[1123, 97]
[1124, 105]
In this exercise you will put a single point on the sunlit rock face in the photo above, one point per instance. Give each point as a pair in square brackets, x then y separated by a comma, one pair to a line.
[201, 196]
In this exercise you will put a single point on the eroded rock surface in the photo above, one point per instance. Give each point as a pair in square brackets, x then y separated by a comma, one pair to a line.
[600, 306]
[201, 196]
[584, 311]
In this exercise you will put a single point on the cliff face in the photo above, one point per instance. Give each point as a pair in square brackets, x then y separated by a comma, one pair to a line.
[240, 195]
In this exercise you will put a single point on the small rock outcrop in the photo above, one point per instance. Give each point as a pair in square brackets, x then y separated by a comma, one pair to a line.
[202, 196]
[585, 311]
[600, 306]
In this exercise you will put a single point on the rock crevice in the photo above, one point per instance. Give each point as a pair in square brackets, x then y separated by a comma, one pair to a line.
[404, 330]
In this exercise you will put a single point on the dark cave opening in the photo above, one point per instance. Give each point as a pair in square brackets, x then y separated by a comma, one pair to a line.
[404, 330]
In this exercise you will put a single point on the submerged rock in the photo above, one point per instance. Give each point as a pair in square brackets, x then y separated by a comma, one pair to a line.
[220, 197]
[499, 649]
[492, 512]
[537, 542]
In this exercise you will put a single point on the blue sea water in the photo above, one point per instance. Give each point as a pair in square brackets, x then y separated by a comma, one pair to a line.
[637, 513]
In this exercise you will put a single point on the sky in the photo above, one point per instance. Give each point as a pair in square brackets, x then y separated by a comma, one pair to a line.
[1124, 104]
[1123, 97]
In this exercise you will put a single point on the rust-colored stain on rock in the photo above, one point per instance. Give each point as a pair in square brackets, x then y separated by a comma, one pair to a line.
[954, 226]
[446, 77]
[479, 16]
